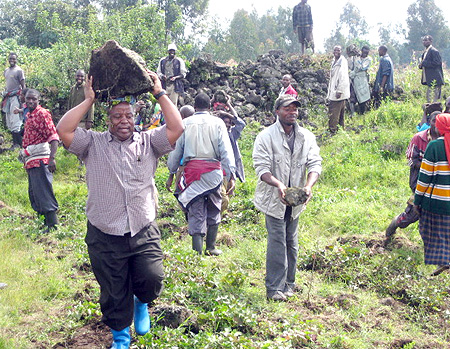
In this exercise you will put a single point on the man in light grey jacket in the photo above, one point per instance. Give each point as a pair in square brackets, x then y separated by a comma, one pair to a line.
[284, 155]
[338, 90]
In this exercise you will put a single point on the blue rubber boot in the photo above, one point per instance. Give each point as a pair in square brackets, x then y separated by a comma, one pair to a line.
[121, 339]
[141, 317]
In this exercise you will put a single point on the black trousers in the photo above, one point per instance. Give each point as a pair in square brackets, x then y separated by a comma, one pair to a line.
[40, 189]
[125, 266]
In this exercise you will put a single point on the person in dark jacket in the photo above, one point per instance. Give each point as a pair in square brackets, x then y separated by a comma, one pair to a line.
[431, 65]
[171, 71]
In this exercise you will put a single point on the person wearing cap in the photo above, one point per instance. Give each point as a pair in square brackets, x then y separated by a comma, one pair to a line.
[76, 96]
[284, 155]
[432, 198]
[123, 238]
[338, 90]
[172, 70]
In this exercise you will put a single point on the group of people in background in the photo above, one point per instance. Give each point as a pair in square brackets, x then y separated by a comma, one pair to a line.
[428, 153]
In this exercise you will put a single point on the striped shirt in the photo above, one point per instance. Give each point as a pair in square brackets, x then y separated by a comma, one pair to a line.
[120, 178]
[433, 187]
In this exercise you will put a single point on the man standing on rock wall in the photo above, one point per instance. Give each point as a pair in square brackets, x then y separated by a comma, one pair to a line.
[338, 90]
[205, 151]
[15, 82]
[122, 236]
[171, 71]
[284, 155]
[303, 25]
[432, 73]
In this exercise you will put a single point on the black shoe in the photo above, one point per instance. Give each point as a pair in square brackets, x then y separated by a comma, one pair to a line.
[390, 230]
[440, 269]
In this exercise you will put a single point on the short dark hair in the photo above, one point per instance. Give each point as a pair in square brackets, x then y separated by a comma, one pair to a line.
[32, 90]
[365, 47]
[202, 101]
[383, 48]
[13, 54]
[429, 37]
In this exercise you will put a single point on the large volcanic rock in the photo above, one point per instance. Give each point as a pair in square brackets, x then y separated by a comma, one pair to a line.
[118, 71]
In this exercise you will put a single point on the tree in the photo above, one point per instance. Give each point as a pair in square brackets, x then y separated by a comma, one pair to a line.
[184, 12]
[425, 18]
[350, 28]
[38, 23]
[243, 39]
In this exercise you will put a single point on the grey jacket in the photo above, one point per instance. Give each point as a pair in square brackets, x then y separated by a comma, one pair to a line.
[271, 153]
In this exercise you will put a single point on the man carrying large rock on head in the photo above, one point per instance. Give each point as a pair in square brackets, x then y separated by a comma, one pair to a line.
[122, 236]
[171, 71]
[284, 155]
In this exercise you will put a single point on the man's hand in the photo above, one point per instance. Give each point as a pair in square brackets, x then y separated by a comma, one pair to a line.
[308, 191]
[88, 90]
[231, 186]
[169, 183]
[88, 125]
[52, 165]
[157, 86]
[282, 193]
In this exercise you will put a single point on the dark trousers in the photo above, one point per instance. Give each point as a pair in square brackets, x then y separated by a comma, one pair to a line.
[125, 266]
[336, 111]
[282, 251]
[380, 97]
[204, 211]
[40, 190]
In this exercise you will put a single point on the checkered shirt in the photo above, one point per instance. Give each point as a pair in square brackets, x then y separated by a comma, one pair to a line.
[301, 16]
[120, 177]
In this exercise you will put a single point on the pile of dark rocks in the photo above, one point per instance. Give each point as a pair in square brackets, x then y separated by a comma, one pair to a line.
[254, 86]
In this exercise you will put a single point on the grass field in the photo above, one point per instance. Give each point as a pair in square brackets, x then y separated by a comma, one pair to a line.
[354, 289]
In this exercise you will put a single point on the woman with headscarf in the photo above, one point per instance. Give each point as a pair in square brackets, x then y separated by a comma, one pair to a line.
[432, 198]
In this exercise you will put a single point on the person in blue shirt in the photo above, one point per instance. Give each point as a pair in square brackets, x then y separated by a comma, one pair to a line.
[384, 81]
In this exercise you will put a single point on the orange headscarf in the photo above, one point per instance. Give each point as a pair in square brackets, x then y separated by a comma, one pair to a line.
[443, 126]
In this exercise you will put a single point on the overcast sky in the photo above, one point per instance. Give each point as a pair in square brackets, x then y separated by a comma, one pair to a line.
[326, 12]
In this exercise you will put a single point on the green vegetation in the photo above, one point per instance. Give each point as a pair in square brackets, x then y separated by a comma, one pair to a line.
[354, 291]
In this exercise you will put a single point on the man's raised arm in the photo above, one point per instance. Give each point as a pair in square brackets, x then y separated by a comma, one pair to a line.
[172, 117]
[69, 122]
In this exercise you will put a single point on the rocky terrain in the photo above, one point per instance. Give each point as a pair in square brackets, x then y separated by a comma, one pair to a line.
[254, 86]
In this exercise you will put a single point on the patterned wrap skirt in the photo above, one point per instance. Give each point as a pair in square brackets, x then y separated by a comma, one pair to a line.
[435, 232]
